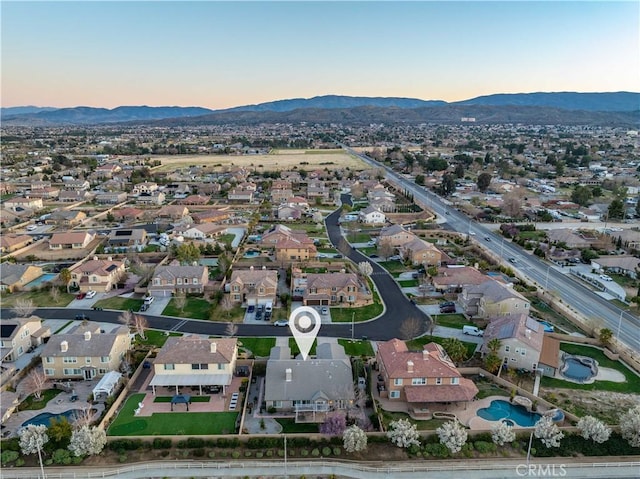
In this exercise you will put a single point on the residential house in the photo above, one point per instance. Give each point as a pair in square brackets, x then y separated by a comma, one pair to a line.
[191, 361]
[130, 239]
[288, 213]
[68, 218]
[173, 212]
[194, 200]
[254, 286]
[520, 338]
[318, 191]
[71, 240]
[569, 237]
[108, 170]
[85, 352]
[19, 204]
[421, 252]
[112, 197]
[201, 231]
[297, 202]
[13, 242]
[74, 196]
[212, 216]
[310, 388]
[19, 335]
[97, 275]
[395, 235]
[238, 195]
[623, 264]
[372, 216]
[155, 198]
[76, 185]
[48, 193]
[451, 279]
[146, 187]
[549, 361]
[128, 214]
[280, 195]
[332, 289]
[15, 276]
[492, 298]
[295, 249]
[175, 278]
[420, 378]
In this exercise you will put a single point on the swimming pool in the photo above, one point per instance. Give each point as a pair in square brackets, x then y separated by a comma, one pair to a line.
[45, 417]
[578, 368]
[42, 279]
[499, 410]
[252, 254]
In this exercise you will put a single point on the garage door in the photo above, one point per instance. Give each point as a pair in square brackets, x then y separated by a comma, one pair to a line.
[314, 302]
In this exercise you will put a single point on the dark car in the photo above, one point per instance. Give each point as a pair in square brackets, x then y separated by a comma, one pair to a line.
[81, 296]
[447, 303]
[448, 309]
[144, 307]
[82, 317]
[259, 313]
[251, 308]
[373, 255]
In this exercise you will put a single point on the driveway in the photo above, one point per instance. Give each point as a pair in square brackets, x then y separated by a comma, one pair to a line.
[157, 307]
[85, 303]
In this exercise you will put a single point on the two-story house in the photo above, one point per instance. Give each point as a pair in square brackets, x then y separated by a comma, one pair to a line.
[13, 242]
[97, 274]
[19, 204]
[173, 212]
[254, 286]
[190, 361]
[15, 276]
[111, 197]
[19, 335]
[310, 388]
[395, 235]
[155, 198]
[372, 215]
[492, 298]
[174, 278]
[521, 339]
[135, 238]
[295, 249]
[332, 289]
[421, 378]
[85, 352]
[146, 187]
[421, 252]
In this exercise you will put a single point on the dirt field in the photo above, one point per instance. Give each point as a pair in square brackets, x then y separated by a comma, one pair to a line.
[280, 160]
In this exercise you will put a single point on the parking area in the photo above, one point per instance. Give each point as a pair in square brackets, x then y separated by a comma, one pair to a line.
[85, 303]
[158, 305]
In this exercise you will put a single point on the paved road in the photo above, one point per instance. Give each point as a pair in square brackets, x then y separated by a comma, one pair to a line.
[625, 326]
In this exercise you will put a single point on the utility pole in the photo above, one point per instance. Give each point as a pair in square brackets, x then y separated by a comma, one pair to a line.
[353, 325]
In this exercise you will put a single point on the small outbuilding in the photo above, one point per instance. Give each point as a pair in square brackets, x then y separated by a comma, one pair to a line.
[181, 399]
[107, 386]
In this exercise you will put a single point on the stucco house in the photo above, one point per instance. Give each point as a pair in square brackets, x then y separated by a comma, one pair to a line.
[492, 298]
[15, 276]
[19, 335]
[421, 252]
[71, 240]
[13, 242]
[253, 286]
[372, 215]
[395, 235]
[332, 289]
[99, 275]
[19, 204]
[191, 361]
[175, 278]
[68, 218]
[521, 339]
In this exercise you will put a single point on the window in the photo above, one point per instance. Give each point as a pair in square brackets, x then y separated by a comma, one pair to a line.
[418, 381]
[105, 359]
[186, 281]
[220, 366]
[195, 281]
[455, 380]
[49, 372]
[236, 297]
[72, 372]
[394, 394]
[277, 404]
[523, 352]
[102, 371]
[507, 348]
[70, 360]
[49, 360]
[397, 382]
[199, 366]
[513, 359]
[236, 287]
[156, 281]
[438, 381]
[169, 367]
[87, 360]
[179, 281]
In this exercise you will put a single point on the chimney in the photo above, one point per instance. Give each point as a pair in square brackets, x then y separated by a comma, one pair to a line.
[409, 366]
[109, 258]
[425, 354]
[64, 346]
[214, 347]
[250, 268]
[287, 375]
[95, 258]
[87, 335]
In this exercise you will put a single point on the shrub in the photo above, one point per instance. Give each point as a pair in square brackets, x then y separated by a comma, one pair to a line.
[269, 453]
[337, 451]
[235, 454]
[61, 456]
[212, 454]
[193, 442]
[122, 458]
[280, 452]
[165, 453]
[315, 452]
[259, 455]
[304, 452]
[159, 443]
[8, 456]
[199, 452]
[19, 462]
[326, 451]
[484, 447]
[248, 453]
[436, 450]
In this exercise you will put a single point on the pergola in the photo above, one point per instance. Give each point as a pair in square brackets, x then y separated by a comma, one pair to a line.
[181, 399]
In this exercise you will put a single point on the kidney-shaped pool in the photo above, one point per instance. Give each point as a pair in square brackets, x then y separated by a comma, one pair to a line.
[499, 410]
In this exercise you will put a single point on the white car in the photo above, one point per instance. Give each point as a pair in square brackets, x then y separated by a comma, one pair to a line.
[149, 300]
[90, 294]
[32, 227]
[605, 277]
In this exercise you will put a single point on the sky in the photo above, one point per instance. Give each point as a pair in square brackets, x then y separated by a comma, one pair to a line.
[224, 54]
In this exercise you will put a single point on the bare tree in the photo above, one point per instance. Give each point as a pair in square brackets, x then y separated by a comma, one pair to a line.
[140, 325]
[126, 318]
[226, 305]
[411, 328]
[36, 382]
[54, 292]
[180, 300]
[24, 308]
[231, 330]
[385, 249]
[512, 205]
[84, 417]
[357, 191]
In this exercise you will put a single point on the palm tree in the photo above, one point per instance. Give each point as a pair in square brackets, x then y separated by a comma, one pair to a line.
[606, 335]
[492, 363]
[65, 277]
[455, 349]
[494, 346]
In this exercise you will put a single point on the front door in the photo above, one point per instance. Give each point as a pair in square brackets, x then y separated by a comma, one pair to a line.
[89, 374]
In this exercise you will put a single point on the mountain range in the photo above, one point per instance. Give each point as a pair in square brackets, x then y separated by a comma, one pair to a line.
[616, 108]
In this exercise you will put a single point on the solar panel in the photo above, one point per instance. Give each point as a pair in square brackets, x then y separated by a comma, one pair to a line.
[532, 324]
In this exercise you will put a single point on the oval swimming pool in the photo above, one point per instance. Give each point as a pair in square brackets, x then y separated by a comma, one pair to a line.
[499, 410]
[45, 417]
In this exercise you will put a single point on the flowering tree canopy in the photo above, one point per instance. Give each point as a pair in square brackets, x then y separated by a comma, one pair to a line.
[354, 439]
[547, 431]
[403, 434]
[453, 435]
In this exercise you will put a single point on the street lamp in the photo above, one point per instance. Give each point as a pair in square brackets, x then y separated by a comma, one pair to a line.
[529, 448]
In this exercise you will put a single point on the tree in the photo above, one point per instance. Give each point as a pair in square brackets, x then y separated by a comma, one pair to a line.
[354, 439]
[581, 195]
[84, 417]
[226, 304]
[616, 209]
[187, 253]
[594, 429]
[36, 382]
[24, 308]
[180, 301]
[140, 325]
[385, 249]
[548, 432]
[54, 293]
[365, 268]
[455, 349]
[453, 435]
[403, 433]
[224, 263]
[32, 438]
[492, 363]
[587, 255]
[357, 191]
[65, 277]
[126, 318]
[512, 205]
[630, 426]
[494, 345]
[419, 180]
[459, 171]
[88, 441]
[448, 184]
[410, 328]
[605, 336]
[334, 424]
[231, 330]
[483, 181]
[59, 432]
[502, 434]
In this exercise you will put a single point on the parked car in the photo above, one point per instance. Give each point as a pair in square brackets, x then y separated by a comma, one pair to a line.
[144, 307]
[281, 322]
[80, 296]
[472, 331]
[448, 309]
[251, 309]
[373, 255]
[149, 299]
[82, 317]
[605, 277]
[447, 303]
[324, 310]
[259, 313]
[90, 294]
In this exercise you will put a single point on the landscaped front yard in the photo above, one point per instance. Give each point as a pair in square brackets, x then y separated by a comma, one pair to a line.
[258, 346]
[194, 308]
[120, 304]
[356, 348]
[418, 343]
[41, 299]
[456, 321]
[170, 423]
[363, 313]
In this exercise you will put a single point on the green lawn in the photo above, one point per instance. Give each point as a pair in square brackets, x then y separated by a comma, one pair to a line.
[310, 228]
[258, 346]
[535, 235]
[295, 350]
[427, 425]
[393, 266]
[155, 338]
[31, 403]
[363, 313]
[357, 237]
[417, 344]
[121, 304]
[226, 238]
[194, 308]
[408, 283]
[368, 250]
[451, 320]
[235, 314]
[193, 399]
[328, 250]
[314, 270]
[356, 348]
[170, 423]
[631, 385]
[41, 299]
[289, 426]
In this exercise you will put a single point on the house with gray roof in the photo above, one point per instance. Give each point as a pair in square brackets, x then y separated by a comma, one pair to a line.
[309, 389]
[18, 335]
[176, 278]
[492, 298]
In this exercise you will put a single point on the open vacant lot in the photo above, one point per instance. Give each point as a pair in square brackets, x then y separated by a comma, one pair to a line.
[278, 160]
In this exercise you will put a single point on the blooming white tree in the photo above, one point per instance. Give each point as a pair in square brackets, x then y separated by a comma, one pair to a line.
[365, 268]
[594, 429]
[630, 426]
[32, 438]
[36, 382]
[502, 434]
[354, 439]
[453, 435]
[403, 434]
[88, 441]
[547, 431]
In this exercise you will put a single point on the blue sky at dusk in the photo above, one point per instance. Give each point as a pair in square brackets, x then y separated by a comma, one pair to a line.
[222, 54]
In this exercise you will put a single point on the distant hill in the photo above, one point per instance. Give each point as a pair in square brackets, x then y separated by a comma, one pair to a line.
[618, 101]
[84, 115]
[337, 106]
[23, 110]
